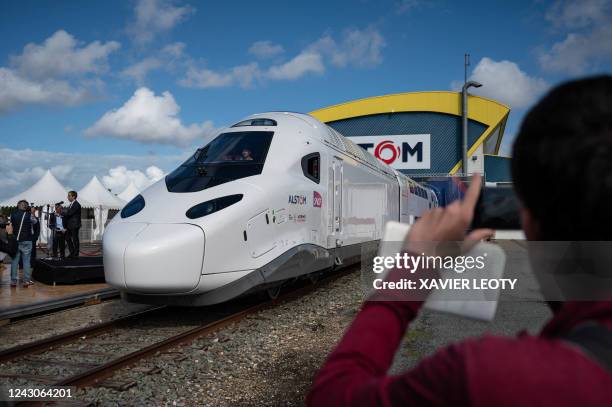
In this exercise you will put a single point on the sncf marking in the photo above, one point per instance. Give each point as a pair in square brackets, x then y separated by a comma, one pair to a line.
[297, 199]
[317, 199]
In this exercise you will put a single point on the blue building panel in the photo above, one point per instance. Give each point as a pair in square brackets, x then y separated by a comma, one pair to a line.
[497, 168]
[445, 130]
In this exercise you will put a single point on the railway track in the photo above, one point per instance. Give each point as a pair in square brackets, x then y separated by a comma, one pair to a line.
[93, 356]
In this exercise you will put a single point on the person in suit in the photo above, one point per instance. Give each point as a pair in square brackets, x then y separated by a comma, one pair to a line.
[56, 225]
[72, 224]
[35, 232]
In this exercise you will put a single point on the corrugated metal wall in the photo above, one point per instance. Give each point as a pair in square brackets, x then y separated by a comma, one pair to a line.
[445, 133]
[497, 168]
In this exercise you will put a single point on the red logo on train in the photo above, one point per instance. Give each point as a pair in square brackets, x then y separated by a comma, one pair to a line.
[317, 199]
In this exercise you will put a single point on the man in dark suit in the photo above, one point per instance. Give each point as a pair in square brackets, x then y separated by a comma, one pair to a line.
[35, 232]
[72, 224]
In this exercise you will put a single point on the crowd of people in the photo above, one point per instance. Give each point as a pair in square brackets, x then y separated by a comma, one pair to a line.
[20, 232]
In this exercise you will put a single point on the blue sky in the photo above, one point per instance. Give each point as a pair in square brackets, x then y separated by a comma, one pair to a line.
[125, 89]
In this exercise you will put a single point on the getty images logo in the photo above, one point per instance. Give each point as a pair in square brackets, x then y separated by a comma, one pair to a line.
[405, 151]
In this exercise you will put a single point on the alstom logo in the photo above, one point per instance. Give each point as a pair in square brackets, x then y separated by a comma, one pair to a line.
[402, 152]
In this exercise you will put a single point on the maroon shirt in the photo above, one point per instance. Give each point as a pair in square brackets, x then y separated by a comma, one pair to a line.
[485, 371]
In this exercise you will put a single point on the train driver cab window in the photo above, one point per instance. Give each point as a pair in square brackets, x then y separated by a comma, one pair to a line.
[311, 166]
[228, 157]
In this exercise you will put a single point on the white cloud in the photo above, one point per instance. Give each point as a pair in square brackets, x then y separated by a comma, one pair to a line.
[57, 72]
[506, 82]
[573, 14]
[304, 63]
[361, 48]
[60, 55]
[356, 48]
[175, 50]
[406, 6]
[139, 70]
[61, 171]
[165, 59]
[12, 178]
[21, 168]
[119, 178]
[149, 118]
[587, 26]
[579, 53]
[242, 75]
[265, 49]
[153, 17]
[16, 91]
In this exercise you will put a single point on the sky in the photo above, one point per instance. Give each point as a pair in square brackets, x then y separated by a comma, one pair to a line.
[126, 90]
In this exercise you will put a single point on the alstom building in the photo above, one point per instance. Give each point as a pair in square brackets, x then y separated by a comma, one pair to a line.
[420, 133]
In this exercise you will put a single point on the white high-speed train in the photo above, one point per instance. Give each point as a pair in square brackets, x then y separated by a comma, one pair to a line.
[273, 197]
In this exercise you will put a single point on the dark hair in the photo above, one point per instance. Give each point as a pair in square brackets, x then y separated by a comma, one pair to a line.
[73, 193]
[562, 161]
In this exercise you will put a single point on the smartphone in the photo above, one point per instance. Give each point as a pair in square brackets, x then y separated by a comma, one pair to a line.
[497, 208]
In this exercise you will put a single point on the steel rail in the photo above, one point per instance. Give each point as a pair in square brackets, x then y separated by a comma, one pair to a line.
[67, 337]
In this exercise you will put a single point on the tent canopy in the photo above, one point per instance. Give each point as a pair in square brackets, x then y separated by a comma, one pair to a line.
[97, 196]
[46, 191]
[129, 193]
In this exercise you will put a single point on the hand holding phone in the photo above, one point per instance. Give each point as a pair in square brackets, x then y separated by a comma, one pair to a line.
[497, 208]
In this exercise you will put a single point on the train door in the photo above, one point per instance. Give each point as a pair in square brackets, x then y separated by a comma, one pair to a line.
[336, 195]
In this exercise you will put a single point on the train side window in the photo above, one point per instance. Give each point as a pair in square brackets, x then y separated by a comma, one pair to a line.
[311, 166]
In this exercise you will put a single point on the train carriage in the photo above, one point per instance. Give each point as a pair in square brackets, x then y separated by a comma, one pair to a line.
[276, 196]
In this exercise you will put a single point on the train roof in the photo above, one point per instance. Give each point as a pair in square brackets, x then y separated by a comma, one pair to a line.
[327, 135]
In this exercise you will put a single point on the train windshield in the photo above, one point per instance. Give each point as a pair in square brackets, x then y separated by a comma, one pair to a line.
[228, 157]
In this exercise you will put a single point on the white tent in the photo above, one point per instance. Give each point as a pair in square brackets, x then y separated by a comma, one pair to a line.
[46, 191]
[101, 200]
[129, 193]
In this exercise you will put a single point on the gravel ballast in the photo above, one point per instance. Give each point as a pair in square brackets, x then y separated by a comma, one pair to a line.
[269, 358]
[44, 326]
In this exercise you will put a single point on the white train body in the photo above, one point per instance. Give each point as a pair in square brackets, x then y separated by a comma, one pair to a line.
[301, 199]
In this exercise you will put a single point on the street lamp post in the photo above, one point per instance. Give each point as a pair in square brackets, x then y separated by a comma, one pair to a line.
[464, 120]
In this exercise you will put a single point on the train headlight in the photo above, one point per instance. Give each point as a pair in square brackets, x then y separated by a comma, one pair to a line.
[212, 206]
[133, 207]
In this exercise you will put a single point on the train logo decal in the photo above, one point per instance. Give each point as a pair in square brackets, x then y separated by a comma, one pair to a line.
[297, 199]
[402, 152]
[317, 199]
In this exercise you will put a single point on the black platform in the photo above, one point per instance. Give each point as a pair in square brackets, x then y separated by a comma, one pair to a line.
[69, 271]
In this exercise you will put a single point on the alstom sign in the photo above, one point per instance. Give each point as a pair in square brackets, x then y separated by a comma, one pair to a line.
[402, 152]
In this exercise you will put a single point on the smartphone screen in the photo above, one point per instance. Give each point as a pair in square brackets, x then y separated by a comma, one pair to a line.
[497, 208]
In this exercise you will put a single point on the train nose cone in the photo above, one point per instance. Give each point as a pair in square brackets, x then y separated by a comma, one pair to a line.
[156, 258]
